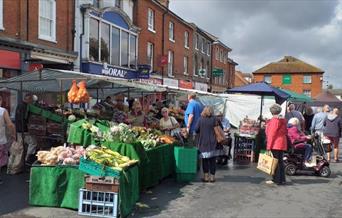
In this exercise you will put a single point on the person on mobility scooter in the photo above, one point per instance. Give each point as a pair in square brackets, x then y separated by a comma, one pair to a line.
[299, 156]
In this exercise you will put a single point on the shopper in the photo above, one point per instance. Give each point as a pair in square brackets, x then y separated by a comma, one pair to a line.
[299, 140]
[224, 148]
[136, 117]
[276, 132]
[191, 116]
[308, 116]
[332, 130]
[292, 112]
[167, 123]
[207, 142]
[317, 124]
[21, 120]
[5, 123]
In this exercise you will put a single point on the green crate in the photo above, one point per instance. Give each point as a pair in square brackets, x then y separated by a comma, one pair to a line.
[262, 151]
[186, 159]
[34, 109]
[52, 116]
[95, 169]
[185, 177]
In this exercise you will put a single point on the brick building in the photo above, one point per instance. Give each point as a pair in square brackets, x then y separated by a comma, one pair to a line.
[292, 74]
[242, 79]
[165, 43]
[34, 34]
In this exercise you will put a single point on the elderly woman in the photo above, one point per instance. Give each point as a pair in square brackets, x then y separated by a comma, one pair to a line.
[136, 117]
[276, 132]
[299, 140]
[332, 130]
[168, 123]
[207, 142]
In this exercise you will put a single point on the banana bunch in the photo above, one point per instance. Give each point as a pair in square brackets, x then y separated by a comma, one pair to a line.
[107, 157]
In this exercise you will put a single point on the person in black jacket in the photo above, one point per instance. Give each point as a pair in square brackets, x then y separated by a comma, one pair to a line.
[332, 130]
[207, 142]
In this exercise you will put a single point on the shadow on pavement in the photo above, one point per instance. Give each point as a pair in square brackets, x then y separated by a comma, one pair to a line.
[242, 179]
[14, 192]
[315, 180]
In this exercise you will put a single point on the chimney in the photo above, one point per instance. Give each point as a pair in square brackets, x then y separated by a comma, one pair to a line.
[165, 2]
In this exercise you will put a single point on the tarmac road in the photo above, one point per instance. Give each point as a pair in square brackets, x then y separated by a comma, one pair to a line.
[240, 191]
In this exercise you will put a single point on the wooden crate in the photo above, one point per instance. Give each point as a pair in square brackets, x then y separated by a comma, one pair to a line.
[102, 184]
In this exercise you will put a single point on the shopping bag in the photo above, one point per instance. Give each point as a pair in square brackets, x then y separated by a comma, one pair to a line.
[219, 134]
[16, 160]
[267, 163]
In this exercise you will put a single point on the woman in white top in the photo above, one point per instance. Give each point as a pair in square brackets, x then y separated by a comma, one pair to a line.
[5, 121]
[167, 123]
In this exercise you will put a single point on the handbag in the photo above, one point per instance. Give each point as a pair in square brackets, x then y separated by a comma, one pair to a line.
[16, 160]
[219, 133]
[176, 131]
[267, 163]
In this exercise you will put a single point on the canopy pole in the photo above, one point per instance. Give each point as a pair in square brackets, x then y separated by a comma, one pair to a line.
[97, 95]
[262, 103]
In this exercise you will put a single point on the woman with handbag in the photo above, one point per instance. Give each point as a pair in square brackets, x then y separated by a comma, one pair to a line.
[167, 123]
[207, 142]
[276, 131]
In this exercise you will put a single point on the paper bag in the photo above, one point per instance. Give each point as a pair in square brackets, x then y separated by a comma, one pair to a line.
[267, 163]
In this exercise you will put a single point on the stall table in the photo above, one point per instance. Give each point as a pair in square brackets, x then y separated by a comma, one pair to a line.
[58, 186]
[244, 146]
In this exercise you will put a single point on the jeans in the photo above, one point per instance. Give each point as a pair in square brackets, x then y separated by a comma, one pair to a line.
[279, 174]
[209, 165]
[308, 152]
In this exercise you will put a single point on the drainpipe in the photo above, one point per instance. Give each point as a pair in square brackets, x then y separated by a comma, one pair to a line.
[212, 67]
[83, 10]
[163, 40]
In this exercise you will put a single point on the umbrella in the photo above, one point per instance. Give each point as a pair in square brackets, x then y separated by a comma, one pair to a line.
[262, 89]
[295, 97]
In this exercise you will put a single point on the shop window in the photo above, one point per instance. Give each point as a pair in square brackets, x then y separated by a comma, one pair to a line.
[307, 79]
[124, 48]
[186, 65]
[150, 54]
[94, 40]
[186, 39]
[150, 17]
[105, 42]
[170, 64]
[268, 79]
[172, 31]
[287, 79]
[132, 51]
[1, 15]
[195, 67]
[47, 20]
[115, 46]
[307, 92]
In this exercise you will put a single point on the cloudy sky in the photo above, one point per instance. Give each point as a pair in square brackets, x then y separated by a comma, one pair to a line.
[262, 31]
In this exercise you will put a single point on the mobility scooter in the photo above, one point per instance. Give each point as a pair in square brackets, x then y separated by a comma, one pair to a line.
[294, 159]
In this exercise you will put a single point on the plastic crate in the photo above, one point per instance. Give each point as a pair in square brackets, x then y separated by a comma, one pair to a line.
[98, 204]
[52, 116]
[185, 177]
[95, 169]
[34, 109]
[186, 159]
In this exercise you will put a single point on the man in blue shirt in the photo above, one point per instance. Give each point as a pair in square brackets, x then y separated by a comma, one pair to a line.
[192, 115]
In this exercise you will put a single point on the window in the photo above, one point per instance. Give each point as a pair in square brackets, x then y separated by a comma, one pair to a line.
[132, 51]
[224, 58]
[307, 79]
[115, 46]
[172, 31]
[47, 20]
[197, 41]
[195, 67]
[186, 39]
[112, 45]
[186, 65]
[1, 15]
[307, 92]
[287, 79]
[268, 79]
[221, 56]
[203, 44]
[124, 48]
[170, 64]
[208, 49]
[150, 54]
[96, 3]
[150, 17]
[105, 37]
[217, 54]
[94, 40]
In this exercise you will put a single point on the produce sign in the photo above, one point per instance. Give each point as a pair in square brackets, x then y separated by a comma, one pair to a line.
[109, 158]
[61, 155]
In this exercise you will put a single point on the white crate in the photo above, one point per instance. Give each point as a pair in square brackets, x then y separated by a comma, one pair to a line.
[98, 204]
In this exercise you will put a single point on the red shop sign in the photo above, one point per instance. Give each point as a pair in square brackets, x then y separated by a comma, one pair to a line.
[35, 67]
[9, 59]
[163, 60]
[185, 84]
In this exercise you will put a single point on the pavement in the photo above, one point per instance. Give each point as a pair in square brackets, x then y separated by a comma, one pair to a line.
[239, 191]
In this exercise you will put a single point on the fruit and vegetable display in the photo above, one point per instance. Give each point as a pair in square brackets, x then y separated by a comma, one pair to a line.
[78, 93]
[120, 132]
[61, 155]
[109, 158]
